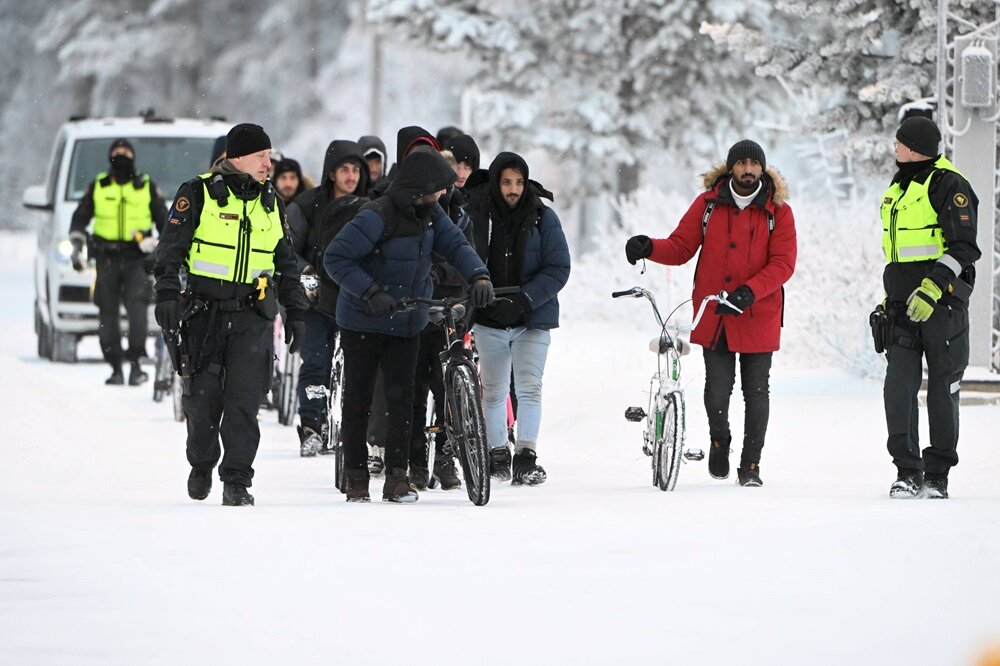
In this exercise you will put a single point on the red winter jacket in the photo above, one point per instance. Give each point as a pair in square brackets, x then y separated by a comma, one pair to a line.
[737, 249]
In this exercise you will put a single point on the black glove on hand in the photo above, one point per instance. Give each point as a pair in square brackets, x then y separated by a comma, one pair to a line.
[382, 303]
[295, 333]
[638, 247]
[481, 292]
[741, 297]
[510, 310]
[168, 316]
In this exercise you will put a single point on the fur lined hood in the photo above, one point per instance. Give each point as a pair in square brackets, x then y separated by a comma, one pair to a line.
[774, 180]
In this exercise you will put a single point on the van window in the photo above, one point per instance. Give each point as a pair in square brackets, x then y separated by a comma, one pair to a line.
[54, 167]
[169, 161]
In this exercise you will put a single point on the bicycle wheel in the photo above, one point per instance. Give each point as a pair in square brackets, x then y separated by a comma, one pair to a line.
[177, 392]
[163, 373]
[334, 411]
[670, 443]
[288, 404]
[467, 431]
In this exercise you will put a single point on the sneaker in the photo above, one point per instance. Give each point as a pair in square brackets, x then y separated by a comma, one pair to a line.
[396, 488]
[356, 485]
[500, 463]
[310, 441]
[136, 376]
[908, 484]
[116, 378]
[718, 459]
[419, 476]
[199, 484]
[748, 475]
[376, 460]
[935, 486]
[526, 470]
[235, 494]
[445, 472]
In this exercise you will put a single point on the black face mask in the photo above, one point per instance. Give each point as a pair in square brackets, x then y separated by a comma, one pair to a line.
[122, 165]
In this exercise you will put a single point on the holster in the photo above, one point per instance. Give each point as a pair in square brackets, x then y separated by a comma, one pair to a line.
[959, 292]
[881, 325]
[266, 297]
[183, 349]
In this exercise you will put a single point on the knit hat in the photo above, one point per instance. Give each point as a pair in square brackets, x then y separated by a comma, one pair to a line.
[120, 143]
[246, 139]
[464, 148]
[919, 134]
[285, 165]
[745, 149]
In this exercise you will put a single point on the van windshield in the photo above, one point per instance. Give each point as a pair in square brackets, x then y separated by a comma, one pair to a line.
[169, 161]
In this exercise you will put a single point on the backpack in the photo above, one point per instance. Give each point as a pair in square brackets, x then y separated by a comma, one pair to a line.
[710, 206]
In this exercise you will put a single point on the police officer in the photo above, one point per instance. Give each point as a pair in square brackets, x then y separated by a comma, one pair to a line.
[929, 240]
[227, 229]
[124, 206]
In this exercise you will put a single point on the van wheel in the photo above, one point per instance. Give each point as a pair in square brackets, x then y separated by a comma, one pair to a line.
[63, 346]
[44, 334]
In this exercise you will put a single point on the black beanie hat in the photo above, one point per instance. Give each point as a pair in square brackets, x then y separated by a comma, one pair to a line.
[246, 139]
[287, 164]
[464, 148]
[919, 134]
[745, 149]
[120, 143]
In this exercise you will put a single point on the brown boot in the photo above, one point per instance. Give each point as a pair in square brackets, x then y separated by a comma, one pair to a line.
[356, 481]
[397, 488]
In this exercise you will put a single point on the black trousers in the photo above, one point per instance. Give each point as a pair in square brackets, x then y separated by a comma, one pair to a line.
[121, 277]
[429, 377]
[944, 341]
[364, 353]
[720, 377]
[317, 362]
[221, 401]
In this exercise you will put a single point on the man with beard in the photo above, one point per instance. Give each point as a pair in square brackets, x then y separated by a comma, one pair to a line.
[345, 181]
[288, 179]
[125, 206]
[522, 242]
[929, 239]
[374, 273]
[746, 233]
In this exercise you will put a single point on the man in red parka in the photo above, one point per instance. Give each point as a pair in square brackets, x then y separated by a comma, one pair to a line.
[746, 233]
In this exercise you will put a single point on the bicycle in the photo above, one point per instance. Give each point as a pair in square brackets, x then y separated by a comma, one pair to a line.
[333, 441]
[663, 438]
[464, 422]
[165, 379]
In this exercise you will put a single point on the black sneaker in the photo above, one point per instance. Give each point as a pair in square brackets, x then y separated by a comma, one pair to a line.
[396, 488]
[116, 378]
[526, 470]
[419, 476]
[356, 485]
[310, 441]
[199, 484]
[445, 472]
[908, 484]
[235, 494]
[748, 475]
[935, 486]
[718, 459]
[136, 376]
[500, 463]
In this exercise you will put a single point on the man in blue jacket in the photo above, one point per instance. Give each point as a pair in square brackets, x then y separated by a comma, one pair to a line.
[380, 256]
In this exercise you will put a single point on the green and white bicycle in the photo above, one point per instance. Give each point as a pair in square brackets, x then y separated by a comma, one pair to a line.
[663, 439]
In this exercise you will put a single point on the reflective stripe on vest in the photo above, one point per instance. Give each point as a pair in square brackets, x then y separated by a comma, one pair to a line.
[234, 242]
[121, 210]
[910, 229]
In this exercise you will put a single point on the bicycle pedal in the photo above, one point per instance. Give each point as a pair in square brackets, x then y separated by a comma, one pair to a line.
[694, 455]
[635, 414]
[434, 429]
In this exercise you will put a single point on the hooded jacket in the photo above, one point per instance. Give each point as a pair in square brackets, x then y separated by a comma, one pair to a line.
[368, 143]
[360, 263]
[407, 138]
[737, 249]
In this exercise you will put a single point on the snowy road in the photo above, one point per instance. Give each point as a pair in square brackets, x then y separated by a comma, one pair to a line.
[104, 560]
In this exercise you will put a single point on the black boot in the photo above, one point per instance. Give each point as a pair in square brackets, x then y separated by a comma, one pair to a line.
[526, 470]
[749, 475]
[135, 375]
[356, 489]
[718, 458]
[116, 378]
[419, 476]
[235, 494]
[908, 484]
[445, 472]
[199, 484]
[936, 486]
[500, 463]
[310, 441]
[396, 488]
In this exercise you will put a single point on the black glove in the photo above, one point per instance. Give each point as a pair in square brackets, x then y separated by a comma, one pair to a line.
[481, 292]
[168, 316]
[76, 256]
[382, 303]
[741, 297]
[510, 310]
[295, 333]
[638, 247]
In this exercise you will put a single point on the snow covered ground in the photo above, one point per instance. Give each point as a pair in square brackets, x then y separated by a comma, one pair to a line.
[104, 559]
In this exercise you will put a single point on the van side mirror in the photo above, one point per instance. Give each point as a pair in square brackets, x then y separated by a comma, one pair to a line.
[37, 198]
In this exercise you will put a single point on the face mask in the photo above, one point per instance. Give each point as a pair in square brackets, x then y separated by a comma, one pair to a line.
[122, 164]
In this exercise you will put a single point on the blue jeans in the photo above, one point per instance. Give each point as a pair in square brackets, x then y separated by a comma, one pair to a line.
[526, 350]
[317, 362]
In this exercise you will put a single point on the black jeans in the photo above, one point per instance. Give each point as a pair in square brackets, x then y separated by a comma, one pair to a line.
[720, 377]
[364, 353]
[314, 374]
[121, 277]
[429, 377]
[944, 341]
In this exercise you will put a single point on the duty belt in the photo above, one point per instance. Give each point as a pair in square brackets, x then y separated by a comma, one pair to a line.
[235, 304]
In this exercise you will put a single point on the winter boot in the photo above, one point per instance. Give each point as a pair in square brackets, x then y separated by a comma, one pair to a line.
[136, 376]
[235, 494]
[396, 488]
[310, 441]
[718, 458]
[199, 484]
[445, 472]
[500, 463]
[376, 460]
[526, 470]
[419, 476]
[356, 485]
[936, 486]
[908, 484]
[116, 378]
[748, 474]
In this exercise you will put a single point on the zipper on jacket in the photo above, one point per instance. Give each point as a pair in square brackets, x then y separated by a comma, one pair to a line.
[242, 248]
[894, 258]
[121, 214]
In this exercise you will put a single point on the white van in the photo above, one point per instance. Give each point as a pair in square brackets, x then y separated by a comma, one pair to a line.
[171, 151]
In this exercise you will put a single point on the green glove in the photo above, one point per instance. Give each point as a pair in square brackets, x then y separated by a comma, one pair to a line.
[920, 304]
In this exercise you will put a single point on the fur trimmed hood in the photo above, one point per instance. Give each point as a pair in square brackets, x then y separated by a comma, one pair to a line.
[779, 190]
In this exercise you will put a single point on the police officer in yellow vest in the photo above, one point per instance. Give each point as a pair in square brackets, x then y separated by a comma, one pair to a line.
[929, 240]
[227, 231]
[124, 206]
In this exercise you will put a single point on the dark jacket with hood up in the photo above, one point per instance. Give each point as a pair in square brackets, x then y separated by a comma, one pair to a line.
[368, 143]
[522, 246]
[407, 139]
[361, 264]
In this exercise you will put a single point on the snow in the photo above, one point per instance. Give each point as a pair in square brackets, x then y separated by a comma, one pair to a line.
[104, 560]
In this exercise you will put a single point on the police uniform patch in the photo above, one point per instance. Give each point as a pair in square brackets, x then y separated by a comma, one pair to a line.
[961, 200]
[182, 204]
[175, 220]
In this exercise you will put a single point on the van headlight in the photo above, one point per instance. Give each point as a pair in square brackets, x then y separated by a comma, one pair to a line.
[64, 249]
